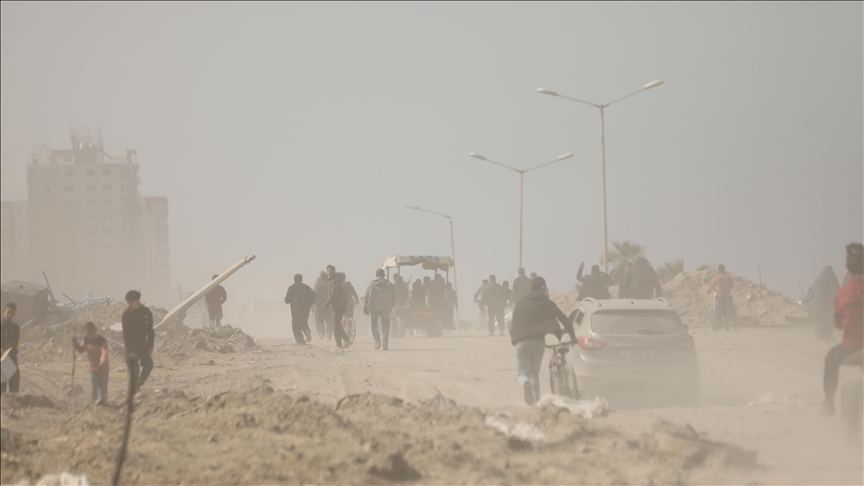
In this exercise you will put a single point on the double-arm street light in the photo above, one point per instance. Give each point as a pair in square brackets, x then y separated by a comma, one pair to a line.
[521, 184]
[652, 84]
[452, 250]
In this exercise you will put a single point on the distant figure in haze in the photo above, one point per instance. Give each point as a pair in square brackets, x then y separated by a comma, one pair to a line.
[641, 281]
[214, 299]
[301, 298]
[418, 294]
[521, 287]
[323, 317]
[451, 304]
[138, 337]
[722, 286]
[402, 293]
[436, 297]
[508, 294]
[819, 302]
[532, 276]
[849, 316]
[338, 301]
[378, 301]
[478, 299]
[595, 285]
[96, 348]
[10, 335]
[533, 319]
[496, 300]
[351, 295]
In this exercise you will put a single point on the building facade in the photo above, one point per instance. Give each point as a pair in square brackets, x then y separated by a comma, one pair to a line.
[89, 228]
[14, 242]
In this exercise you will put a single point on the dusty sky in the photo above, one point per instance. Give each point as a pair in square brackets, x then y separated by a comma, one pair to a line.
[297, 131]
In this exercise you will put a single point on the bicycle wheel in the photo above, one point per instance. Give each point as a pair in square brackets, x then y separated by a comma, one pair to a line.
[555, 379]
[572, 384]
[350, 331]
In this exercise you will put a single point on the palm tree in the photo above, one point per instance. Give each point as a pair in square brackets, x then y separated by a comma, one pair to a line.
[670, 270]
[623, 251]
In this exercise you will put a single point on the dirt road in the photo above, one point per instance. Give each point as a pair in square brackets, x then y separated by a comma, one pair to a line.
[244, 418]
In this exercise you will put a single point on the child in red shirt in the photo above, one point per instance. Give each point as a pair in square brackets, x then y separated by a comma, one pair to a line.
[96, 348]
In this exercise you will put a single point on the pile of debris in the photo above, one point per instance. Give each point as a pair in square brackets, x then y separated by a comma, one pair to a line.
[688, 294]
[48, 340]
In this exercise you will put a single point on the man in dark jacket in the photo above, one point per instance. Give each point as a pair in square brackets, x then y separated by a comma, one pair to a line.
[495, 299]
[214, 299]
[138, 337]
[596, 285]
[379, 300]
[10, 334]
[533, 318]
[323, 317]
[521, 287]
[641, 281]
[339, 302]
[301, 297]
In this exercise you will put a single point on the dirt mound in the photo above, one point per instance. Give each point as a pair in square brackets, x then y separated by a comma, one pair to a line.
[226, 339]
[262, 437]
[688, 293]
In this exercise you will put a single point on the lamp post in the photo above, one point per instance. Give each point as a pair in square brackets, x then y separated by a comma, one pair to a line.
[452, 250]
[521, 185]
[652, 84]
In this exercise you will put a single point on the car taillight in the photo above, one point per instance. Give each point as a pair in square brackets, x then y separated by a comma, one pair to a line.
[589, 344]
[686, 344]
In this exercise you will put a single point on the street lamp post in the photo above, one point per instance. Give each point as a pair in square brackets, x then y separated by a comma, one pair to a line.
[452, 251]
[521, 185]
[652, 84]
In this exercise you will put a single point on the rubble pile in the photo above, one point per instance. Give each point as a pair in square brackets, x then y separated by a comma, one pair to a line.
[688, 294]
[50, 340]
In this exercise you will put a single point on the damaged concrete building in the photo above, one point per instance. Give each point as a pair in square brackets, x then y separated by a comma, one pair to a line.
[87, 226]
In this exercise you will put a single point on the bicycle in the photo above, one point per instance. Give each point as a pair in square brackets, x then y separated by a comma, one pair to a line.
[561, 374]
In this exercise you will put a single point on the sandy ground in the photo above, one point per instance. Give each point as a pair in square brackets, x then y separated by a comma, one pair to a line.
[270, 416]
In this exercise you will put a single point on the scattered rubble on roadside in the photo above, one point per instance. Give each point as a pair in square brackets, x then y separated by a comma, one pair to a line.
[50, 340]
[369, 439]
[688, 294]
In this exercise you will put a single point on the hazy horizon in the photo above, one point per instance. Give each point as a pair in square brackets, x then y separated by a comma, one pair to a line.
[297, 132]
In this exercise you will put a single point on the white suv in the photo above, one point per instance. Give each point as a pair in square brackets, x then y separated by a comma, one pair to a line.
[632, 348]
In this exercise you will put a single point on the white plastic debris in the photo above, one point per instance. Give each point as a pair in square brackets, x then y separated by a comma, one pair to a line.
[520, 430]
[584, 408]
[800, 399]
[63, 479]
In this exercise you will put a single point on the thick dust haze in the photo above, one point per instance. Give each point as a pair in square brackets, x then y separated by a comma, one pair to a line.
[299, 133]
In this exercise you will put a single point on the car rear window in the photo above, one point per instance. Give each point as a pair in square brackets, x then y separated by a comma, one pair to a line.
[636, 322]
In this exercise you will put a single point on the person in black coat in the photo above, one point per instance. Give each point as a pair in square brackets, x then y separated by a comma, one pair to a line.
[533, 319]
[641, 281]
[595, 285]
[301, 298]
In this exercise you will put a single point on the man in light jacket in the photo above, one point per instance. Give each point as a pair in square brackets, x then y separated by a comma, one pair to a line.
[379, 299]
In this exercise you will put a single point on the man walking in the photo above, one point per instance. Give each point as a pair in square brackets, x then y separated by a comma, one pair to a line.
[451, 304]
[215, 298]
[138, 337]
[323, 317]
[478, 298]
[436, 298]
[10, 334]
[521, 287]
[338, 301]
[495, 300]
[300, 297]
[378, 301]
